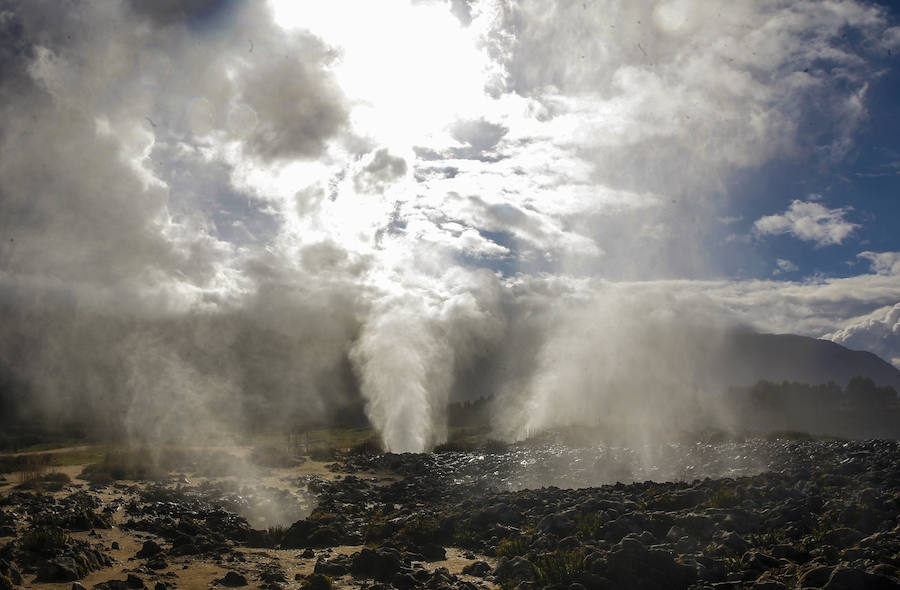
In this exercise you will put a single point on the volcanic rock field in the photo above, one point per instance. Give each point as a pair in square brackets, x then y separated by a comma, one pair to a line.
[764, 514]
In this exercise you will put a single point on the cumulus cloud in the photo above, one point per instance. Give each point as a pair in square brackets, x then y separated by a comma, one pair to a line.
[878, 332]
[809, 221]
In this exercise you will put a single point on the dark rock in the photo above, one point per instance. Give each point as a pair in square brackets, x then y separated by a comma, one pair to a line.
[515, 569]
[734, 542]
[62, 569]
[380, 564]
[11, 572]
[337, 566]
[157, 563]
[880, 582]
[758, 561]
[632, 564]
[78, 586]
[842, 537]
[498, 513]
[149, 549]
[433, 552]
[479, 569]
[232, 579]
[845, 578]
[557, 524]
[403, 581]
[185, 549]
[160, 586]
[787, 551]
[132, 581]
[313, 534]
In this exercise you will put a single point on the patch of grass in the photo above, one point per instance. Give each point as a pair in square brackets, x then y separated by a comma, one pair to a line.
[339, 438]
[418, 531]
[273, 455]
[734, 564]
[589, 525]
[33, 471]
[134, 464]
[51, 482]
[79, 457]
[767, 539]
[725, 497]
[47, 540]
[513, 547]
[560, 567]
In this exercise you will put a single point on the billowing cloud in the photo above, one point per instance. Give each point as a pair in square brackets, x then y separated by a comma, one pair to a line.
[258, 212]
[878, 332]
[809, 221]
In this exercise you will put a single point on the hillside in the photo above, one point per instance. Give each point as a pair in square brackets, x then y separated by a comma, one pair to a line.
[749, 357]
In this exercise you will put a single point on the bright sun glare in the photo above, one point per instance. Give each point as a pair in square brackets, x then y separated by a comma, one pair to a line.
[410, 71]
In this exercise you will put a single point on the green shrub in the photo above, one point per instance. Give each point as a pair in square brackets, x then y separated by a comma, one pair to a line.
[513, 547]
[560, 567]
[44, 540]
[589, 525]
[419, 530]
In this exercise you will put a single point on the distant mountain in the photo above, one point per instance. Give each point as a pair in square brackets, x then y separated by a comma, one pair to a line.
[748, 357]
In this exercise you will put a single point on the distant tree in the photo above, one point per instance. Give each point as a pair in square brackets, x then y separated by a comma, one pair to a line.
[863, 391]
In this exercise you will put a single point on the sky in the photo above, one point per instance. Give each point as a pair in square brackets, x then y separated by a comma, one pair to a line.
[420, 196]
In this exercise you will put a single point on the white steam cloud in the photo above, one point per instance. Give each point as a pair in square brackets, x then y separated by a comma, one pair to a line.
[218, 215]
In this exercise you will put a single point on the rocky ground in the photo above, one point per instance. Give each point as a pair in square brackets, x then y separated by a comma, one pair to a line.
[777, 514]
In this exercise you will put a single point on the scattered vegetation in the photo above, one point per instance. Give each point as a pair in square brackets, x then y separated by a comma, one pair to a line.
[725, 497]
[768, 539]
[135, 464]
[513, 547]
[50, 482]
[589, 525]
[418, 531]
[560, 567]
[318, 582]
[273, 455]
[47, 540]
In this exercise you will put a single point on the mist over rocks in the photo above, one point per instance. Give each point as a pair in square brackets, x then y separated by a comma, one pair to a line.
[602, 358]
